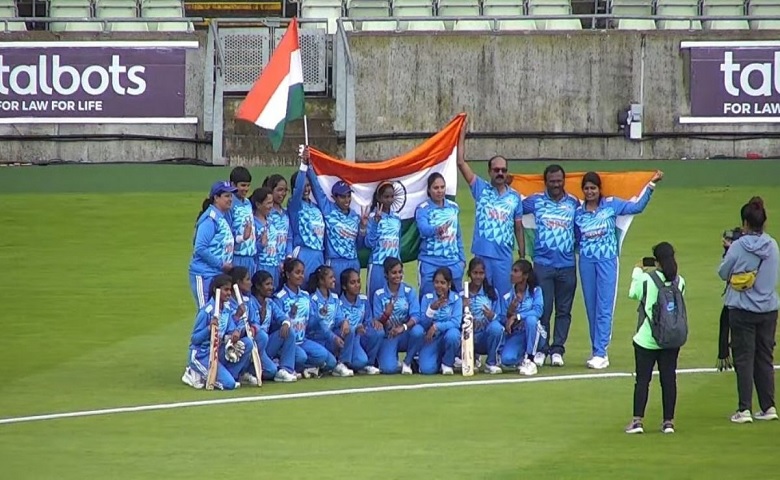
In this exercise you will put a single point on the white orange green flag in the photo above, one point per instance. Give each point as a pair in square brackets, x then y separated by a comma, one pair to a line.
[276, 98]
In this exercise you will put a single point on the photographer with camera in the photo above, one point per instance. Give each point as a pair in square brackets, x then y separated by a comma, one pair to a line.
[750, 269]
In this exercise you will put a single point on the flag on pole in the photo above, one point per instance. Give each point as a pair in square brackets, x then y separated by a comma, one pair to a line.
[625, 185]
[408, 174]
[276, 98]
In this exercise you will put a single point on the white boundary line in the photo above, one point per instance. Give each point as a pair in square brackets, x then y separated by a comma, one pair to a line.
[330, 393]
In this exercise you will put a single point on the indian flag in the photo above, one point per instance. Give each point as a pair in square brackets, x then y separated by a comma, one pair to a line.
[276, 98]
[408, 173]
[625, 185]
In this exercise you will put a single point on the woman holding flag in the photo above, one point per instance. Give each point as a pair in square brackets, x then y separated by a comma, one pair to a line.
[597, 236]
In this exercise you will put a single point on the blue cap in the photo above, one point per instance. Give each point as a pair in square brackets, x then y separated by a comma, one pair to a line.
[222, 187]
[341, 188]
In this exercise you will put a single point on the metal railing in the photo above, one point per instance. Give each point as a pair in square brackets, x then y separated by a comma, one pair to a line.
[104, 22]
[344, 90]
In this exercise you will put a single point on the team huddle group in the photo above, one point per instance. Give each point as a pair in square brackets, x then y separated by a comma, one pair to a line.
[298, 273]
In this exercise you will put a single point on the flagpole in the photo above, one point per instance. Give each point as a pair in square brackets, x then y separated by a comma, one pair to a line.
[305, 131]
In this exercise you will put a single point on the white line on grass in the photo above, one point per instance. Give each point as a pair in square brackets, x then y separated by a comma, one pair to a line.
[329, 393]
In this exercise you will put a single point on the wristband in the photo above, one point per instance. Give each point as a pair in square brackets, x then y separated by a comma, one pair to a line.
[303, 167]
[652, 184]
[430, 312]
[286, 322]
[405, 327]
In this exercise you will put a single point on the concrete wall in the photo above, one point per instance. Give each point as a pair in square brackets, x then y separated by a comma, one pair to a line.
[114, 150]
[536, 82]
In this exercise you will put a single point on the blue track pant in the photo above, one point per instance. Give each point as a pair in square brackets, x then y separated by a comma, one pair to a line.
[488, 340]
[521, 343]
[498, 273]
[440, 351]
[371, 341]
[200, 285]
[599, 287]
[410, 342]
[227, 373]
[375, 278]
[283, 349]
[426, 271]
[247, 262]
[339, 265]
[351, 355]
[558, 286]
[271, 269]
[312, 260]
[268, 366]
[312, 354]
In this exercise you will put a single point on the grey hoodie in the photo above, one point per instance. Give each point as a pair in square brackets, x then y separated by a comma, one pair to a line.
[744, 256]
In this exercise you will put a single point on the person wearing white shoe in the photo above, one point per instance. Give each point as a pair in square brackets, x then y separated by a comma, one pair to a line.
[396, 306]
[365, 333]
[442, 317]
[485, 305]
[524, 306]
[271, 328]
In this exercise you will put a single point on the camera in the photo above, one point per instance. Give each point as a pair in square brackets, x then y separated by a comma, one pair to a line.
[732, 235]
[648, 262]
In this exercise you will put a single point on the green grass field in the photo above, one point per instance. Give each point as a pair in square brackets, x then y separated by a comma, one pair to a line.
[97, 314]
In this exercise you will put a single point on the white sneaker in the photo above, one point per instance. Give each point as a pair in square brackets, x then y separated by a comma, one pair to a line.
[445, 370]
[458, 365]
[311, 372]
[742, 417]
[283, 376]
[370, 370]
[406, 369]
[539, 359]
[598, 363]
[193, 379]
[477, 363]
[528, 368]
[770, 414]
[493, 369]
[249, 378]
[341, 370]
[557, 360]
[298, 376]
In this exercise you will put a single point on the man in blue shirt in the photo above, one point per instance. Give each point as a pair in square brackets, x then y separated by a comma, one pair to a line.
[554, 261]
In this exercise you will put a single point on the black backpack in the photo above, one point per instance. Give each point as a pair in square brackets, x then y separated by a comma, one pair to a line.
[669, 320]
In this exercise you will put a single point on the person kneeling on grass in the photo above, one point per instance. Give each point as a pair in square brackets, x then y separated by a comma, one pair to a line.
[234, 353]
[485, 305]
[524, 307]
[328, 325]
[441, 319]
[366, 333]
[295, 303]
[646, 284]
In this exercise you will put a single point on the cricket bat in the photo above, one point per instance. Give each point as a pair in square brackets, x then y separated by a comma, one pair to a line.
[255, 356]
[211, 378]
[467, 338]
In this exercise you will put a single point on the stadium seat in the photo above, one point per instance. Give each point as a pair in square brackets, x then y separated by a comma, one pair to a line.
[503, 10]
[149, 11]
[159, 3]
[324, 9]
[553, 7]
[67, 12]
[459, 8]
[85, 27]
[378, 26]
[69, 3]
[425, 26]
[678, 8]
[368, 8]
[8, 10]
[104, 11]
[516, 25]
[764, 8]
[724, 8]
[473, 26]
[633, 7]
[412, 8]
[115, 3]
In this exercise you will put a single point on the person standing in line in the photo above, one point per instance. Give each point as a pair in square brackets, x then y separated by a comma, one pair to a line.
[213, 243]
[596, 234]
[441, 238]
[280, 238]
[750, 268]
[523, 305]
[645, 283]
[241, 222]
[383, 237]
[307, 222]
[266, 257]
[554, 261]
[498, 218]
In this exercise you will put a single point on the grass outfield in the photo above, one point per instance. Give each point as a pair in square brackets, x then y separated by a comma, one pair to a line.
[97, 313]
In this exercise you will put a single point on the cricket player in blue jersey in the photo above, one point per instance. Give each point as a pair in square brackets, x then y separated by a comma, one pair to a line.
[597, 237]
[383, 237]
[397, 307]
[213, 244]
[279, 243]
[266, 234]
[441, 239]
[524, 305]
[498, 218]
[307, 222]
[295, 303]
[554, 261]
[241, 222]
[365, 333]
[442, 315]
[485, 304]
[228, 371]
[345, 230]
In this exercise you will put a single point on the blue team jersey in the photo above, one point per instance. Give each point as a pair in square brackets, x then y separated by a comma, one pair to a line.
[449, 316]
[407, 305]
[435, 248]
[239, 215]
[325, 316]
[532, 304]
[342, 230]
[357, 313]
[308, 224]
[596, 231]
[496, 214]
[213, 244]
[279, 244]
[200, 339]
[554, 241]
[269, 320]
[384, 237]
[285, 299]
[477, 302]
